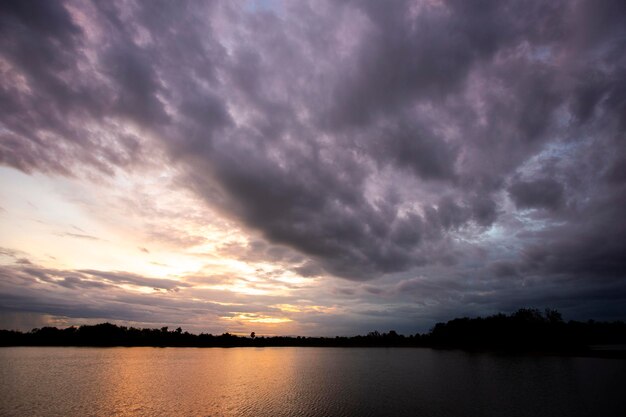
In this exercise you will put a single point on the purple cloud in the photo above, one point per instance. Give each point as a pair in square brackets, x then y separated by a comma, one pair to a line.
[372, 140]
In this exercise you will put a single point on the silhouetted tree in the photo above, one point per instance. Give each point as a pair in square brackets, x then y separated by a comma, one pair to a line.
[553, 316]
[392, 334]
[522, 331]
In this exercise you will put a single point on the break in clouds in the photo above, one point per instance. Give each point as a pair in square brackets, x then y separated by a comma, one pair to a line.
[458, 156]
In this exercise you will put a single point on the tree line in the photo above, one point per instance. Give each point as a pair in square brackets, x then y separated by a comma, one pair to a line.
[527, 330]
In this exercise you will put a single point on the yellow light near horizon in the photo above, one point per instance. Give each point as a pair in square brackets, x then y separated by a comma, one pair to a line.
[82, 227]
[290, 308]
[255, 318]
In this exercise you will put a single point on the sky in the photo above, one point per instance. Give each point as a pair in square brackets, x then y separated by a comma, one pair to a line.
[310, 167]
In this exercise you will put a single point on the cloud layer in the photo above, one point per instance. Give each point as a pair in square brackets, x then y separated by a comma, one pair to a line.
[477, 142]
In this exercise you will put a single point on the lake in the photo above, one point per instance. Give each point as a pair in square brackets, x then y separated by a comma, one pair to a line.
[68, 381]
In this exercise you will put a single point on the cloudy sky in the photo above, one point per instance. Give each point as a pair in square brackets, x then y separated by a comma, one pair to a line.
[316, 168]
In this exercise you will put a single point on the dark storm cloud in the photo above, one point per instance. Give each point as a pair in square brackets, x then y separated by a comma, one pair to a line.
[593, 250]
[540, 193]
[504, 269]
[371, 138]
[410, 54]
[418, 150]
[53, 88]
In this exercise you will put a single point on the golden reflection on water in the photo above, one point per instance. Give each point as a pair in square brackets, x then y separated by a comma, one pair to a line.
[151, 381]
[213, 382]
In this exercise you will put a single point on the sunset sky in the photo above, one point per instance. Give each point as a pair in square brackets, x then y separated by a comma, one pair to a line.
[310, 167]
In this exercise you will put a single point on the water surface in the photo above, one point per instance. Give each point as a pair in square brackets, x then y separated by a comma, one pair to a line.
[68, 381]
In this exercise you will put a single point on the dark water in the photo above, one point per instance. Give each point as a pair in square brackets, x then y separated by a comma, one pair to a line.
[304, 382]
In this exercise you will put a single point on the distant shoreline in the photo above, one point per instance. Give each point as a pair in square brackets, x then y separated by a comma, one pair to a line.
[528, 331]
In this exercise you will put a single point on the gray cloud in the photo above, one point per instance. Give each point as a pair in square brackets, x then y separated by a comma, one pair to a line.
[134, 279]
[372, 140]
[540, 193]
